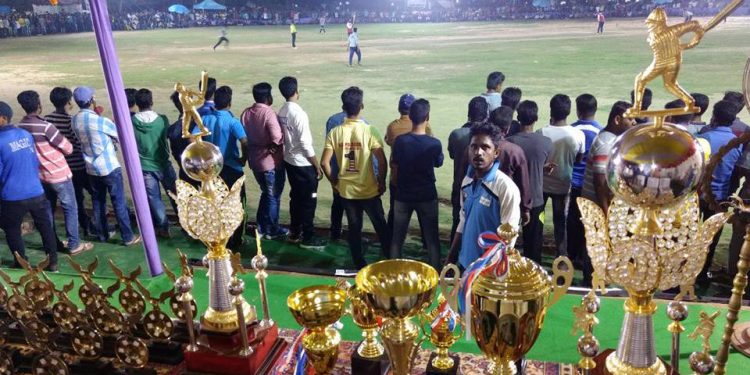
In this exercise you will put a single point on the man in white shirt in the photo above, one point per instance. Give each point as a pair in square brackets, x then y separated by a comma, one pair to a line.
[301, 166]
[354, 47]
[568, 145]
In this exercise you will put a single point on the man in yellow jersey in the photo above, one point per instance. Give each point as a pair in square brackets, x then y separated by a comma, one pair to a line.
[293, 30]
[354, 143]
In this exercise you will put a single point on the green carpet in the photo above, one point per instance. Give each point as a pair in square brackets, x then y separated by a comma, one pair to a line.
[554, 344]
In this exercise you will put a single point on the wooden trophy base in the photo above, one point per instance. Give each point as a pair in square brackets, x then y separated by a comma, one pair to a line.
[219, 353]
[369, 366]
[601, 363]
[456, 369]
[91, 367]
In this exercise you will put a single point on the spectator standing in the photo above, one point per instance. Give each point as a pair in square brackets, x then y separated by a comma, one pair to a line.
[568, 145]
[512, 159]
[458, 150]
[494, 86]
[414, 157]
[718, 134]
[150, 131]
[301, 167]
[537, 149]
[208, 103]
[586, 107]
[697, 123]
[57, 180]
[265, 152]
[355, 143]
[511, 97]
[21, 191]
[178, 144]
[62, 100]
[489, 197]
[595, 186]
[97, 135]
[226, 132]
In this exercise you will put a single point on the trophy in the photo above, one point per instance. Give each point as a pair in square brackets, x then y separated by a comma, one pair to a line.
[369, 356]
[397, 290]
[504, 298]
[182, 304]
[585, 320]
[702, 362]
[316, 308]
[210, 215]
[677, 312]
[652, 237]
[445, 329]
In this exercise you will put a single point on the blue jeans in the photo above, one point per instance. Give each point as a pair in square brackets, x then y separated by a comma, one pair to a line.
[100, 186]
[154, 181]
[352, 51]
[64, 192]
[271, 186]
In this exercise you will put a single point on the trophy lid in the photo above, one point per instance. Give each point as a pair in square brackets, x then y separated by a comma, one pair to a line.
[524, 280]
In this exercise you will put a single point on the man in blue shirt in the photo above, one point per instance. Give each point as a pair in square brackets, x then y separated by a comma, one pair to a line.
[586, 107]
[21, 191]
[489, 198]
[414, 158]
[718, 134]
[226, 131]
[208, 104]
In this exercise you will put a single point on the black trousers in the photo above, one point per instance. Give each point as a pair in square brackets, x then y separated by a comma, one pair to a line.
[706, 212]
[533, 234]
[391, 210]
[575, 232]
[374, 209]
[230, 176]
[221, 40]
[303, 199]
[12, 217]
[337, 216]
[294, 39]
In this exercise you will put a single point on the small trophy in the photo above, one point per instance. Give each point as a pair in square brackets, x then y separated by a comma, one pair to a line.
[703, 362]
[159, 328]
[369, 357]
[236, 287]
[260, 263]
[131, 301]
[182, 304]
[445, 329]
[677, 312]
[585, 320]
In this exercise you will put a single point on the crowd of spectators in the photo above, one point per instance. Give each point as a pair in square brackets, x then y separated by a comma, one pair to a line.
[28, 23]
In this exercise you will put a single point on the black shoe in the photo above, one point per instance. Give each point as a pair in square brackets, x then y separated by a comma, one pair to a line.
[313, 243]
[52, 268]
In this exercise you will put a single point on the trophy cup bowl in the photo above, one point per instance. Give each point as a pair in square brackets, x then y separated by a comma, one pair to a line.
[442, 337]
[507, 314]
[316, 308]
[398, 289]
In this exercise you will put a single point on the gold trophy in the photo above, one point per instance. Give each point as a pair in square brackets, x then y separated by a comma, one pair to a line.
[397, 290]
[445, 329]
[652, 237]
[506, 297]
[585, 320]
[315, 308]
[702, 362]
[369, 356]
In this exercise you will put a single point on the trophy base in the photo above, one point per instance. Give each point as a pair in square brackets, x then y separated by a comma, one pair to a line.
[456, 369]
[91, 367]
[219, 353]
[369, 366]
[139, 371]
[741, 338]
[601, 364]
[166, 352]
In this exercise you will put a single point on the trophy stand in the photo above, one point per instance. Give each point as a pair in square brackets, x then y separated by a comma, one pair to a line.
[210, 215]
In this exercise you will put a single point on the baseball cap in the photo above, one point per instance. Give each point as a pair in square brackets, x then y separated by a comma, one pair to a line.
[83, 94]
[6, 111]
[405, 102]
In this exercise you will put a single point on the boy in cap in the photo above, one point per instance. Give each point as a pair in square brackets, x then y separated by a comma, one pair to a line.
[21, 191]
[97, 135]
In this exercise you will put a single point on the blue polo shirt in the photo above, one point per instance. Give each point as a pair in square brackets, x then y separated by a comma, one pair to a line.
[226, 131]
[590, 129]
[717, 137]
[19, 166]
[481, 207]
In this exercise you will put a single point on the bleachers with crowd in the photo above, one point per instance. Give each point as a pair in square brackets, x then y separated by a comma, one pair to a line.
[20, 23]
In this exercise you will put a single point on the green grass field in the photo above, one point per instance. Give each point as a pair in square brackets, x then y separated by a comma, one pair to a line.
[445, 63]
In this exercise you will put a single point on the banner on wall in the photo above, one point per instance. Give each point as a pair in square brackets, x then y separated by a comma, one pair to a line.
[60, 8]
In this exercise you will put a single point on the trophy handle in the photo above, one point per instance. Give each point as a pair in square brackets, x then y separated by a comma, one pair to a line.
[566, 273]
[449, 290]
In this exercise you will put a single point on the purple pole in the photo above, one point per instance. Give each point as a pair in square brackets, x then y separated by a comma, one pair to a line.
[116, 88]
